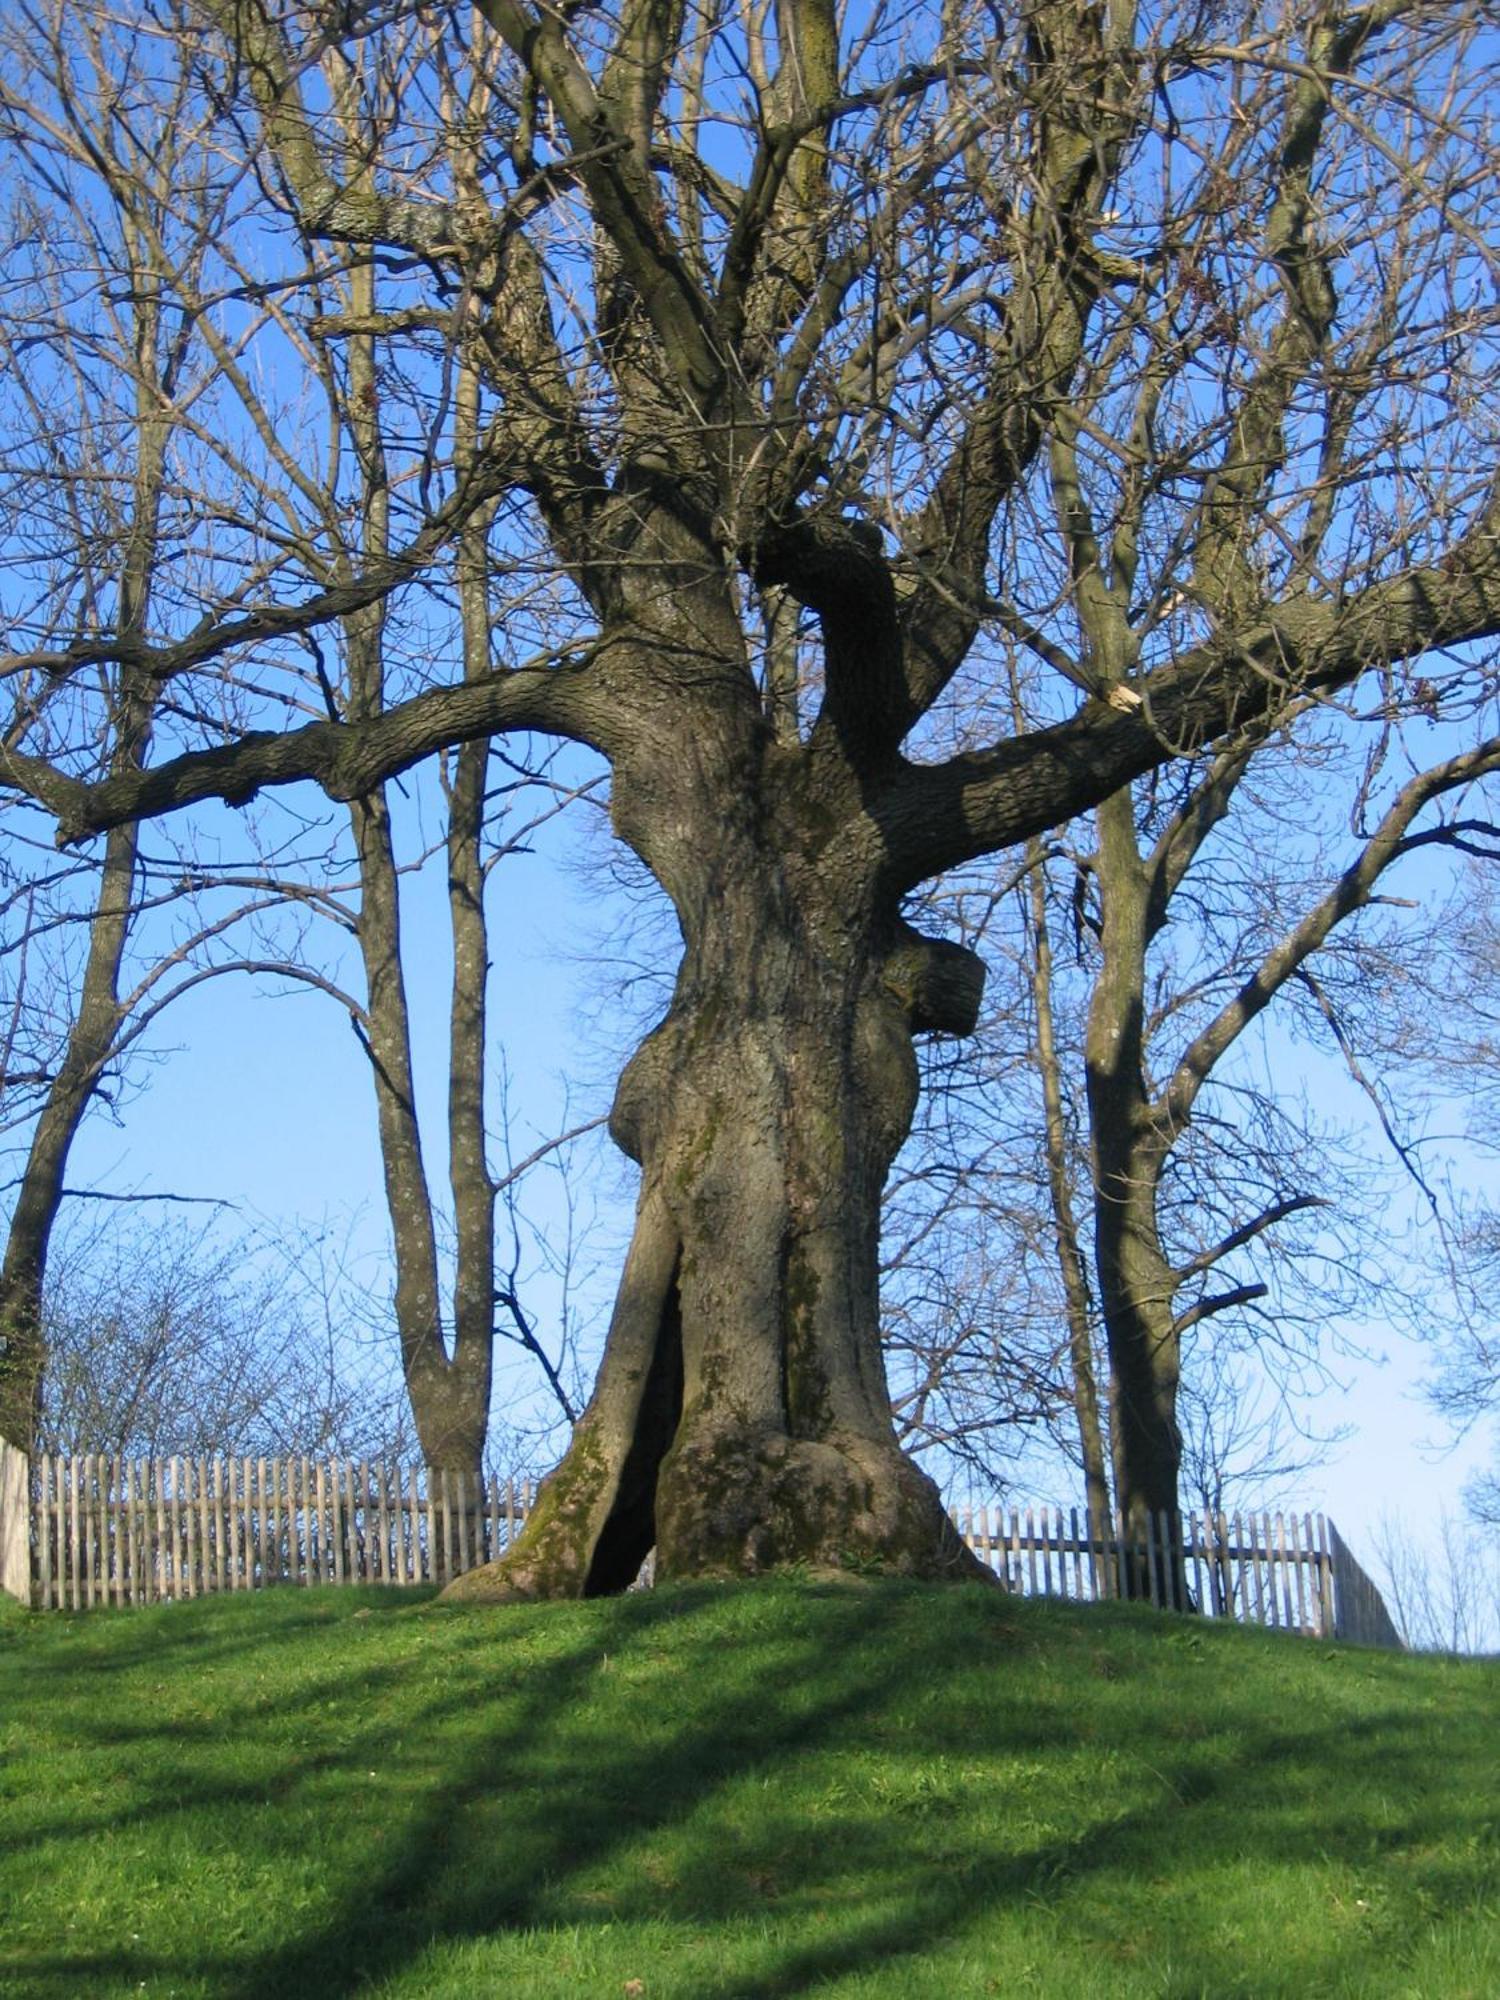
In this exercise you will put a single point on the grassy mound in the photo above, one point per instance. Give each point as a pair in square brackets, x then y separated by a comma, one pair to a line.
[779, 1789]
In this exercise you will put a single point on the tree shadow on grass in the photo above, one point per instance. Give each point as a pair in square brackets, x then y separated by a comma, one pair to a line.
[518, 1783]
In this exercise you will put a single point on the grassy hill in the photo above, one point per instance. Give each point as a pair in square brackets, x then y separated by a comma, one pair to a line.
[790, 1788]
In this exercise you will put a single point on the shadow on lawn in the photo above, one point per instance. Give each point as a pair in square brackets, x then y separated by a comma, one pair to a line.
[508, 1791]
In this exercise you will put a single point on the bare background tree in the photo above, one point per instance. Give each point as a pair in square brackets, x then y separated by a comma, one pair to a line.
[125, 287]
[185, 1339]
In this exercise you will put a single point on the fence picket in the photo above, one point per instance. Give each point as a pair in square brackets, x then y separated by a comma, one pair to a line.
[125, 1531]
[1326, 1622]
[44, 1537]
[117, 1521]
[323, 1572]
[1153, 1578]
[182, 1518]
[197, 1475]
[143, 1547]
[351, 1526]
[82, 1515]
[89, 1489]
[1170, 1537]
[1280, 1580]
[461, 1481]
[57, 1548]
[83, 1536]
[130, 1540]
[129, 1533]
[252, 1539]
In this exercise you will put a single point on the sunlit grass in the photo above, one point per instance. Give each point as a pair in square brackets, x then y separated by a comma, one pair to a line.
[779, 1789]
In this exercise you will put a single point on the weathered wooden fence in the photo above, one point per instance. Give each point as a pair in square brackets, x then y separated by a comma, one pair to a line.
[87, 1530]
[1286, 1570]
[122, 1531]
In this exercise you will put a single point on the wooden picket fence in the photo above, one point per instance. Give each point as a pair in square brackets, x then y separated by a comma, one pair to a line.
[121, 1531]
[90, 1530]
[1289, 1571]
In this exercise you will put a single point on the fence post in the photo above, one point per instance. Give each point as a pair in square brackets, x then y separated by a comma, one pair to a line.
[15, 1522]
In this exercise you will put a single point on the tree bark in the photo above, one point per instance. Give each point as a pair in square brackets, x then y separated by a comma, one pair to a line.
[742, 1420]
[449, 1402]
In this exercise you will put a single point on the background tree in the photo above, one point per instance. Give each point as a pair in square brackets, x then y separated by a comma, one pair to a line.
[1091, 332]
[1148, 1297]
[1191, 912]
[184, 1340]
[112, 220]
[1450, 1041]
[124, 296]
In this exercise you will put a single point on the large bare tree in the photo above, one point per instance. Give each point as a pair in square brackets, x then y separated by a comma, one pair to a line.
[817, 353]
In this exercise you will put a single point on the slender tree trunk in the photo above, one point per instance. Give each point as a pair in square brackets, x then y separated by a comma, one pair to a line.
[1136, 1283]
[447, 1381]
[1061, 1192]
[448, 1376]
[473, 1188]
[96, 1027]
[450, 1421]
[90, 1044]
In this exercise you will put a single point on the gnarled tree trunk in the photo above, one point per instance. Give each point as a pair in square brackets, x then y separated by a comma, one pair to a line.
[741, 1420]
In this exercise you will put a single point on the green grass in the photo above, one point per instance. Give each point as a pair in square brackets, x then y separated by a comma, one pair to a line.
[781, 1789]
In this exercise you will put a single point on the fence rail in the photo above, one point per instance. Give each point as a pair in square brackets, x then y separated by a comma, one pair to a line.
[89, 1530]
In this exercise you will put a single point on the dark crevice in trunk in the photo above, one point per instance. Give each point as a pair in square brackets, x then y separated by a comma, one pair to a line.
[784, 1360]
[629, 1533]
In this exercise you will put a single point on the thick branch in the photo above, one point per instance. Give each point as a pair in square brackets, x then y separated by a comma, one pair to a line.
[934, 817]
[1241, 1295]
[621, 192]
[346, 759]
[1246, 1233]
[836, 569]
